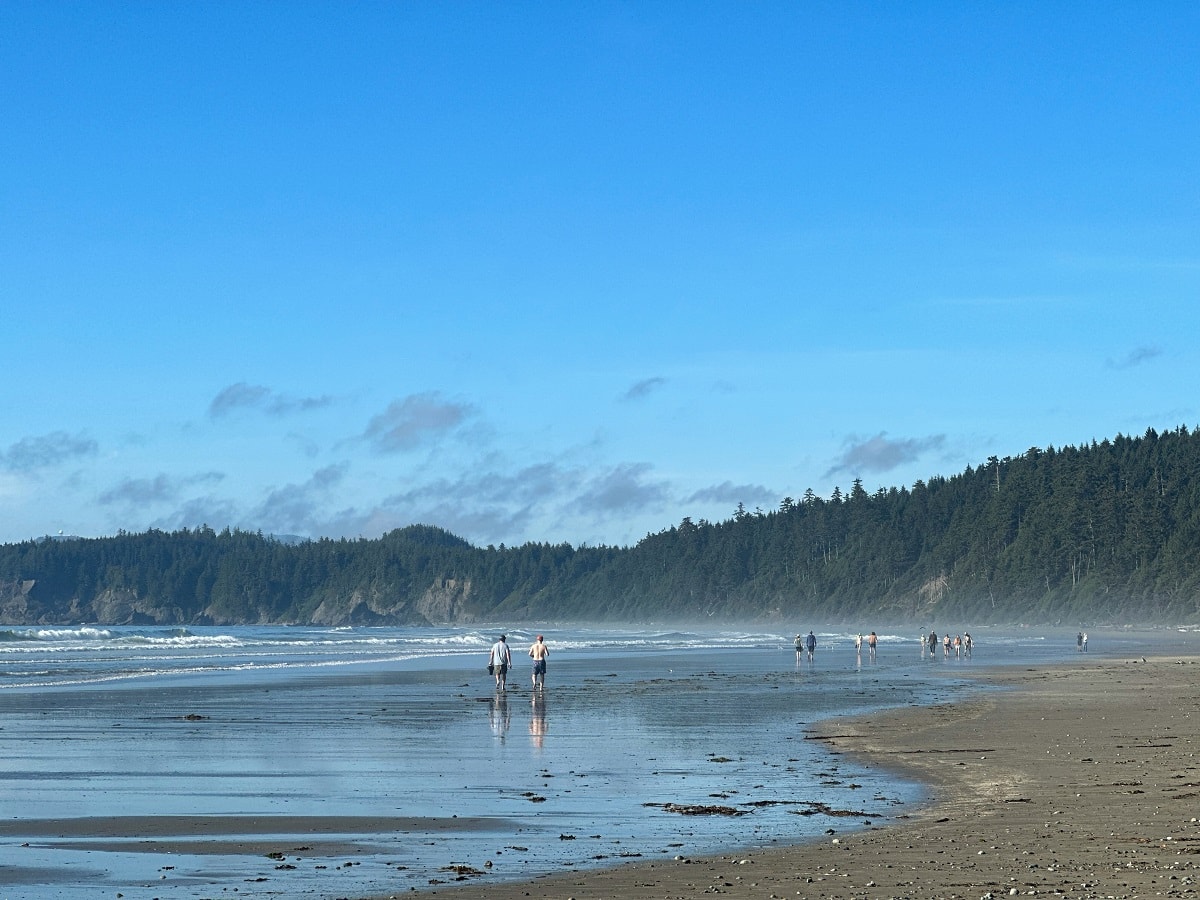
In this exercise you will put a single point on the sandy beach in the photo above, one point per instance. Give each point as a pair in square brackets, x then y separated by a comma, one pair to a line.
[1080, 781]
[1035, 771]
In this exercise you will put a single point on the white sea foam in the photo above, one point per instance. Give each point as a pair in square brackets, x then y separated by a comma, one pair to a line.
[46, 657]
[79, 633]
[183, 640]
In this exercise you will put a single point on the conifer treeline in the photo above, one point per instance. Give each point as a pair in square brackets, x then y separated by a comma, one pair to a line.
[1106, 532]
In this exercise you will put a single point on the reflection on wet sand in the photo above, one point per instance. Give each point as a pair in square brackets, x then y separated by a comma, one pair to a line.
[499, 715]
[537, 719]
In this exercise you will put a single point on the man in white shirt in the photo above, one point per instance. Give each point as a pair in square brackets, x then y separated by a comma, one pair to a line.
[500, 658]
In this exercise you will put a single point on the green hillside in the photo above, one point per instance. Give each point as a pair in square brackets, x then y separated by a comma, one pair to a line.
[1107, 532]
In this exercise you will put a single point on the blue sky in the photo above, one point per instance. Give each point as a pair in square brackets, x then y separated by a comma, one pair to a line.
[572, 272]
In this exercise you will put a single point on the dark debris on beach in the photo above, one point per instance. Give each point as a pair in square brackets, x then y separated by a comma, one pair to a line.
[699, 809]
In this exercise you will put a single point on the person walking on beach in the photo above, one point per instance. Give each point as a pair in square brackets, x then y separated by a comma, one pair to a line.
[1079, 642]
[968, 644]
[500, 658]
[1084, 642]
[799, 646]
[539, 651]
[810, 644]
[872, 640]
[933, 642]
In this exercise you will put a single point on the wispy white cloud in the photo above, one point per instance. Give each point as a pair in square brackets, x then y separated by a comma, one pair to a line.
[1135, 357]
[410, 422]
[45, 451]
[644, 388]
[290, 509]
[215, 512]
[486, 504]
[299, 508]
[881, 453]
[263, 399]
[732, 494]
[161, 488]
[490, 505]
[624, 488]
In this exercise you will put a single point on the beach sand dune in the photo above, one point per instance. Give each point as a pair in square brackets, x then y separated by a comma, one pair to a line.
[1076, 781]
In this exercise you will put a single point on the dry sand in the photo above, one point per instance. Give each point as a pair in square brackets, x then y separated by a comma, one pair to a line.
[1081, 782]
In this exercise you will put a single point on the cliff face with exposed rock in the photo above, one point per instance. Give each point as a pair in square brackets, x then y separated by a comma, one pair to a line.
[20, 604]
[15, 607]
[443, 602]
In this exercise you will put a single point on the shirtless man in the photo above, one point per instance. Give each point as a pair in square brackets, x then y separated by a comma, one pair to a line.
[539, 651]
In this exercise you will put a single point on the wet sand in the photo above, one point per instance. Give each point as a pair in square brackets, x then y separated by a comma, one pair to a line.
[322, 836]
[1081, 781]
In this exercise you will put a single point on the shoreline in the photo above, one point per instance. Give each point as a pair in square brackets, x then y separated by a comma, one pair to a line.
[1077, 778]
[1081, 780]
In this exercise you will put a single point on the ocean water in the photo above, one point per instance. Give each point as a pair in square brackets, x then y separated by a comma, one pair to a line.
[637, 736]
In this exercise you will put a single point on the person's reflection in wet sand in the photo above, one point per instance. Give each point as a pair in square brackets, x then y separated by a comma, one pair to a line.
[537, 720]
[500, 715]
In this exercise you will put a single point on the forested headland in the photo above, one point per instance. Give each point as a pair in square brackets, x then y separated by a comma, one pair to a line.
[1107, 532]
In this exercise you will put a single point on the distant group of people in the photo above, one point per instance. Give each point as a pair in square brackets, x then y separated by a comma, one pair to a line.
[960, 645]
[872, 642]
[807, 645]
[500, 660]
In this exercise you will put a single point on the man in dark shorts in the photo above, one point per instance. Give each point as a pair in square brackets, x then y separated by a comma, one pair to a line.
[539, 651]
